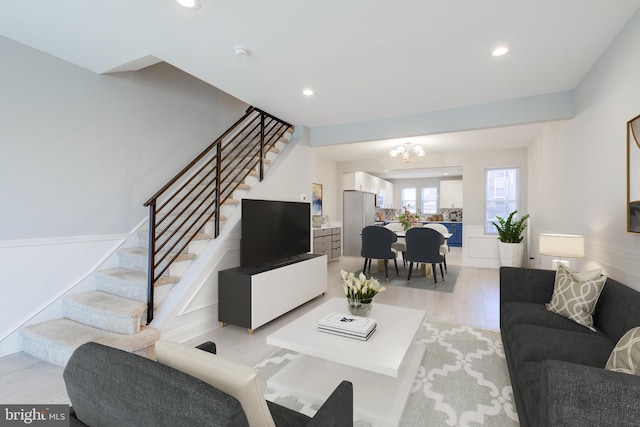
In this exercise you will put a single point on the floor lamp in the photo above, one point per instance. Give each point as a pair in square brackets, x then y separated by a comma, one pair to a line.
[562, 246]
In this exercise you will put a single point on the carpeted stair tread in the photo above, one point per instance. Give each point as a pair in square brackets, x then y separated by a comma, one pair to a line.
[105, 311]
[54, 341]
[143, 252]
[132, 284]
[137, 259]
[105, 302]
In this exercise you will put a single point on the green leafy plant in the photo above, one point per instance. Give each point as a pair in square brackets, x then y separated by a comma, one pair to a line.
[510, 230]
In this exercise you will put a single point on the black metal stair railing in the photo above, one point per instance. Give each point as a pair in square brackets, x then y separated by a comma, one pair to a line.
[192, 199]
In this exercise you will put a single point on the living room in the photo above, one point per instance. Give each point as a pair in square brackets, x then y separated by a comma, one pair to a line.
[574, 172]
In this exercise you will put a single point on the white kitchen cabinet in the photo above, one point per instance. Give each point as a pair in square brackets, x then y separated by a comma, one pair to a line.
[451, 194]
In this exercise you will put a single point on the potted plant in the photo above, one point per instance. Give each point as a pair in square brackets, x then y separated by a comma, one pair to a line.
[359, 290]
[510, 236]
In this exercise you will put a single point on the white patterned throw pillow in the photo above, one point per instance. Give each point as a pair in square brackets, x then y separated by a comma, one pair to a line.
[575, 295]
[625, 356]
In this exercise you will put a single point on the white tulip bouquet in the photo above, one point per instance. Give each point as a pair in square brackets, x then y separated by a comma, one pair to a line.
[360, 288]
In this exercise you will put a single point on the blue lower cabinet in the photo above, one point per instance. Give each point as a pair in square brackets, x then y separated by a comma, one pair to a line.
[456, 230]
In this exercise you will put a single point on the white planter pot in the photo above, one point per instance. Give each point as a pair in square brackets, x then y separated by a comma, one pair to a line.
[511, 254]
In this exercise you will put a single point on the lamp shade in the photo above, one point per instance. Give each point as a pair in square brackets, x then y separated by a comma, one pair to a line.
[562, 245]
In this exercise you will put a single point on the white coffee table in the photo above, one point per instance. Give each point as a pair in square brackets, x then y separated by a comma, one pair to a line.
[381, 369]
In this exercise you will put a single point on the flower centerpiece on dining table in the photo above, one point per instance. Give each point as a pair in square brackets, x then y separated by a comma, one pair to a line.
[359, 290]
[407, 219]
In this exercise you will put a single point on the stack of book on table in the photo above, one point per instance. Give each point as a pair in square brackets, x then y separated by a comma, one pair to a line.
[345, 325]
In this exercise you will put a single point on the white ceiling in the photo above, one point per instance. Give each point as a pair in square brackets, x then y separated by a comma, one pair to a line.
[365, 59]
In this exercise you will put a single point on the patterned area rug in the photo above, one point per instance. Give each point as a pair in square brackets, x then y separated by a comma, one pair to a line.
[418, 279]
[462, 381]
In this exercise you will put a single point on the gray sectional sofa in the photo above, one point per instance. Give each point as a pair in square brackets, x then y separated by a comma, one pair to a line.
[556, 366]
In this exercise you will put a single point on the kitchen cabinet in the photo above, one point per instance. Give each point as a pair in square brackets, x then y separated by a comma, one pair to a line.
[451, 194]
[362, 181]
[455, 228]
[327, 241]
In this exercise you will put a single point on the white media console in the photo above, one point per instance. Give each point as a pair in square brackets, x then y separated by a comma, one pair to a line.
[253, 296]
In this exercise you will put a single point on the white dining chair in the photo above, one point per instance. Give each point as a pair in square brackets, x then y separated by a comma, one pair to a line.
[400, 245]
[444, 248]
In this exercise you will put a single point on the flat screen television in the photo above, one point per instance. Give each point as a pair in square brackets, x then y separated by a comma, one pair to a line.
[273, 231]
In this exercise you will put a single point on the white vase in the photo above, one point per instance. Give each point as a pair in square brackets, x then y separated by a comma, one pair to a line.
[511, 254]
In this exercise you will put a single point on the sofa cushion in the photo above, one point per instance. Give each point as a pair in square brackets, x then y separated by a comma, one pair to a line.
[625, 357]
[531, 343]
[575, 295]
[238, 380]
[525, 313]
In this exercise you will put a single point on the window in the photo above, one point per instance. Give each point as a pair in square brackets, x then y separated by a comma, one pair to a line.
[430, 200]
[501, 195]
[408, 198]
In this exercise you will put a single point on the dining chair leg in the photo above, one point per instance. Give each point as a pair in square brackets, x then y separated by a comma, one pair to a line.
[445, 263]
[386, 269]
[364, 269]
[435, 276]
[395, 261]
[441, 272]
[410, 269]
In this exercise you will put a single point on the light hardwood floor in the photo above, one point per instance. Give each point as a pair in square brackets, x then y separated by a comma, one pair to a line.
[475, 301]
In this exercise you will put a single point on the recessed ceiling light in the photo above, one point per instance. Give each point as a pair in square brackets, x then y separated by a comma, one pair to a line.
[189, 4]
[499, 51]
[307, 92]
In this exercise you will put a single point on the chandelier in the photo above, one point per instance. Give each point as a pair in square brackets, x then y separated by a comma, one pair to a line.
[403, 152]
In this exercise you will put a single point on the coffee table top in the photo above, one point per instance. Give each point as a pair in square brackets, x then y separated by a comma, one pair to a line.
[382, 353]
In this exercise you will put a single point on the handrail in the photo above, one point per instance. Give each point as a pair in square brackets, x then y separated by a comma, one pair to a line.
[194, 196]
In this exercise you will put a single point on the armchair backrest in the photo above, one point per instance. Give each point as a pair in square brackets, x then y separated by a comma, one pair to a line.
[238, 380]
[376, 242]
[111, 387]
[423, 245]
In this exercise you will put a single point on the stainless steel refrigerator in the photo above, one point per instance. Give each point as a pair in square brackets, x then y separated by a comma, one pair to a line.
[358, 211]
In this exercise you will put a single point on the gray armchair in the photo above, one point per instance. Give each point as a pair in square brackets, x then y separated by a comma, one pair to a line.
[111, 387]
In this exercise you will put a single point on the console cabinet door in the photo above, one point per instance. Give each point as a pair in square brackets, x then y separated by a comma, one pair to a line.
[260, 299]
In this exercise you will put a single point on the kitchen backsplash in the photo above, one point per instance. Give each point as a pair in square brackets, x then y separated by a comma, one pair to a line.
[387, 214]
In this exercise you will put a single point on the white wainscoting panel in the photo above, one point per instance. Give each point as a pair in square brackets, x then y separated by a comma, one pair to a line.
[479, 249]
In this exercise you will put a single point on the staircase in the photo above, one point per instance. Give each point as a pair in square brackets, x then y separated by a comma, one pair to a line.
[118, 311]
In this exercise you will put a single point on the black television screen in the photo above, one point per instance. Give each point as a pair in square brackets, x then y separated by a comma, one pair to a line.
[273, 231]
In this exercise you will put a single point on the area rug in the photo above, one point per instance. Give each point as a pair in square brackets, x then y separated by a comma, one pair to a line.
[462, 381]
[418, 279]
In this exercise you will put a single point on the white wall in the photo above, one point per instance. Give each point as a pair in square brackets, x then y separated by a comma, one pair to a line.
[324, 172]
[577, 181]
[81, 153]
